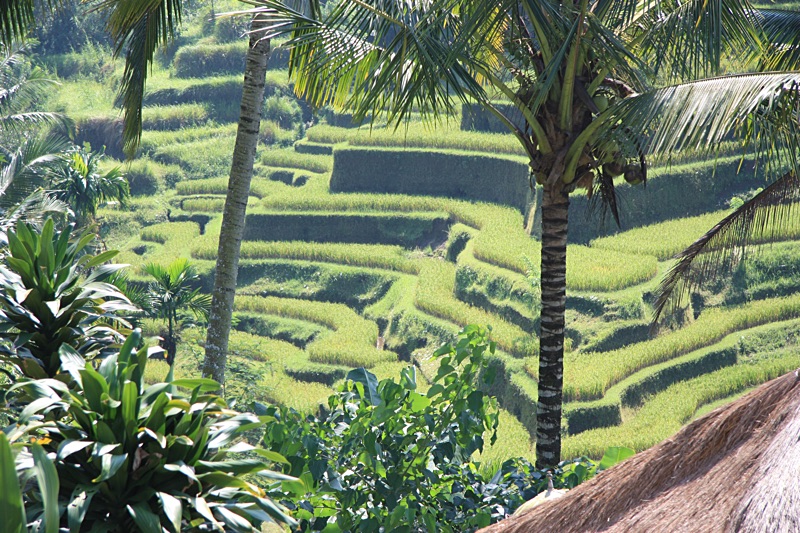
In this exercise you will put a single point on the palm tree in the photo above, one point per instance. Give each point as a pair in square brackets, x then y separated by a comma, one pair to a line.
[171, 293]
[718, 250]
[138, 28]
[81, 184]
[598, 88]
[233, 215]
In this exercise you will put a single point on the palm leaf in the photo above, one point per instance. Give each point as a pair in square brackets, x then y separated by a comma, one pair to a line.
[388, 54]
[759, 108]
[758, 220]
[17, 18]
[782, 32]
[686, 39]
[138, 28]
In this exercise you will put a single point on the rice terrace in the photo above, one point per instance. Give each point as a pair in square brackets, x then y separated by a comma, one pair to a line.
[370, 244]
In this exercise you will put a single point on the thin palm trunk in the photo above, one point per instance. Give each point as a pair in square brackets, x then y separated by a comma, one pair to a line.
[555, 210]
[233, 218]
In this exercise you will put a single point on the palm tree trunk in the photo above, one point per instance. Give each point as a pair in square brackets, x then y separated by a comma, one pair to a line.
[233, 217]
[555, 207]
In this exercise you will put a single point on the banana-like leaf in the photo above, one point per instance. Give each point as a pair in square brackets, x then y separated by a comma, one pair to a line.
[47, 478]
[146, 520]
[12, 511]
[173, 508]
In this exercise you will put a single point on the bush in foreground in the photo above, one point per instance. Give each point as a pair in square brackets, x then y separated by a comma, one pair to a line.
[388, 457]
[113, 454]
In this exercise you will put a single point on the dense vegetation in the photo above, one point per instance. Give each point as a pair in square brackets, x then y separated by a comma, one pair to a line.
[346, 265]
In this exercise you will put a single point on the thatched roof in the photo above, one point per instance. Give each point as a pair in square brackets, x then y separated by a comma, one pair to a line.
[735, 469]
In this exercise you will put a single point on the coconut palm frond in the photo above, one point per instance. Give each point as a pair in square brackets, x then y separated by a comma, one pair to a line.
[782, 32]
[34, 209]
[616, 13]
[612, 51]
[761, 109]
[138, 28]
[27, 168]
[17, 17]
[758, 220]
[687, 39]
[389, 54]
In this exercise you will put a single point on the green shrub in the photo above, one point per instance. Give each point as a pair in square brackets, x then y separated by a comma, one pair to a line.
[407, 229]
[438, 173]
[427, 438]
[203, 60]
[101, 132]
[145, 178]
[284, 110]
[54, 295]
[127, 456]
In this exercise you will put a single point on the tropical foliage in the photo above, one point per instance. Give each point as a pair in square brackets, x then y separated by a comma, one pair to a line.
[54, 294]
[596, 88]
[173, 293]
[81, 184]
[390, 456]
[118, 455]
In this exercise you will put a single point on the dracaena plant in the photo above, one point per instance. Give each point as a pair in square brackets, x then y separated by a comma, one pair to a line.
[135, 457]
[54, 293]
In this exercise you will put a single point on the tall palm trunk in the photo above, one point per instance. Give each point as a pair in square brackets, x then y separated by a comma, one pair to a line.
[555, 207]
[233, 218]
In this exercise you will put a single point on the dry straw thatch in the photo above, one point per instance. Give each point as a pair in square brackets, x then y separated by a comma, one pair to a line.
[735, 469]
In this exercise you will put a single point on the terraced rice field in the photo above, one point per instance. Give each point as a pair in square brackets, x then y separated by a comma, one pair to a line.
[331, 280]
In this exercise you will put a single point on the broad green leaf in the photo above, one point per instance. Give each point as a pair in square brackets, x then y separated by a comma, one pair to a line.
[205, 384]
[130, 396]
[68, 447]
[12, 514]
[110, 465]
[94, 385]
[173, 509]
[238, 523]
[201, 505]
[78, 507]
[47, 478]
[614, 455]
[145, 519]
[370, 383]
[269, 455]
[233, 466]
[418, 402]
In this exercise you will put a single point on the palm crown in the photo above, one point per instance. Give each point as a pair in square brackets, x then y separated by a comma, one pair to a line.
[598, 88]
